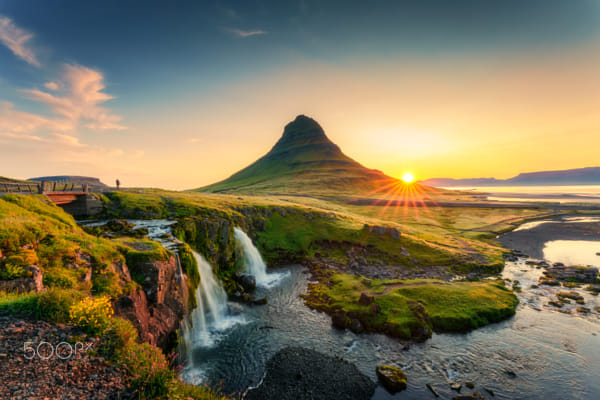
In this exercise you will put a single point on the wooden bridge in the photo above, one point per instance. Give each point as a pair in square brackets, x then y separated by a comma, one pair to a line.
[74, 198]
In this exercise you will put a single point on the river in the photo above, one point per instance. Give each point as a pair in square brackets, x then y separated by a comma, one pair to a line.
[538, 353]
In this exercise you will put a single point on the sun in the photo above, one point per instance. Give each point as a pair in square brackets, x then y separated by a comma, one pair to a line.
[408, 177]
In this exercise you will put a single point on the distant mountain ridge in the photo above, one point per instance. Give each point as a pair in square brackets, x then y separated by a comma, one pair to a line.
[578, 176]
[91, 181]
[305, 161]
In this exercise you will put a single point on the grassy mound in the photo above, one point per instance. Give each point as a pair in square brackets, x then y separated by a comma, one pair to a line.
[410, 309]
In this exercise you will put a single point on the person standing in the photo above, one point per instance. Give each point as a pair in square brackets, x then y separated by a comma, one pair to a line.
[118, 184]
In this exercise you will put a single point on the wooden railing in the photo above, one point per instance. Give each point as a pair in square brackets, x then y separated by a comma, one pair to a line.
[10, 187]
[58, 187]
[44, 187]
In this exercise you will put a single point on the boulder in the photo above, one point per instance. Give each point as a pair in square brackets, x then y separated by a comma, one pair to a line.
[296, 373]
[247, 281]
[119, 225]
[355, 326]
[260, 302]
[391, 378]
[339, 320]
[365, 299]
[580, 274]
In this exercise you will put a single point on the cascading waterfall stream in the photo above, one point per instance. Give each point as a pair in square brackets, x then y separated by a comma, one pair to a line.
[254, 262]
[207, 320]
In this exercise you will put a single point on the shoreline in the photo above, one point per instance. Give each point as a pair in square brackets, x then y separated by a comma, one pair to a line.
[531, 241]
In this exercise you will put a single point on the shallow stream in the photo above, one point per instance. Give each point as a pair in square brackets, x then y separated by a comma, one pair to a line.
[538, 353]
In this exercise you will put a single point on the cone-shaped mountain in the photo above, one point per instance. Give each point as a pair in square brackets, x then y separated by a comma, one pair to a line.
[303, 161]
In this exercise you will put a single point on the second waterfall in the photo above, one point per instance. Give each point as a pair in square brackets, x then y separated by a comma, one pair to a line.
[254, 264]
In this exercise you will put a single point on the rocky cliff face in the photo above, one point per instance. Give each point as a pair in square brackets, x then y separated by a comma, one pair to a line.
[157, 309]
[214, 238]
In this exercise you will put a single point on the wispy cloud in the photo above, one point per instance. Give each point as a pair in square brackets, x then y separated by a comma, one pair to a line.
[15, 121]
[16, 39]
[243, 33]
[79, 98]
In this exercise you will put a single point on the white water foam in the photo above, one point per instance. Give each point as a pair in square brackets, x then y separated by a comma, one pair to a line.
[254, 263]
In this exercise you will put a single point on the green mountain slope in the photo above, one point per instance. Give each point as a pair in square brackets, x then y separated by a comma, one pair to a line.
[304, 161]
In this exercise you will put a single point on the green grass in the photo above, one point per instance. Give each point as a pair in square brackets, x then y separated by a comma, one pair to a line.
[409, 306]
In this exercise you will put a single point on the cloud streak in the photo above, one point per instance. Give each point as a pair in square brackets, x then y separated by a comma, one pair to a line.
[79, 98]
[16, 39]
[244, 34]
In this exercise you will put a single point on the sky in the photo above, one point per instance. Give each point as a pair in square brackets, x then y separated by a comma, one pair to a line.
[182, 94]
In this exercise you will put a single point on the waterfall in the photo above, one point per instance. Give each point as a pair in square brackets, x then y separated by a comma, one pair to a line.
[207, 321]
[254, 263]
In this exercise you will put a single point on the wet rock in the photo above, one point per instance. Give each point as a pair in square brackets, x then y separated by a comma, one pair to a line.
[490, 391]
[470, 385]
[579, 274]
[432, 389]
[260, 302]
[583, 310]
[296, 373]
[339, 320]
[474, 396]
[392, 379]
[548, 281]
[119, 225]
[569, 295]
[247, 281]
[456, 386]
[355, 326]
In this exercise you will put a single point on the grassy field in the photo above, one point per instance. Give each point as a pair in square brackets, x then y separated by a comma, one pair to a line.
[461, 234]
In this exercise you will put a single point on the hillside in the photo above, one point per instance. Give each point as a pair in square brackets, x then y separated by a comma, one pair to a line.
[578, 176]
[304, 161]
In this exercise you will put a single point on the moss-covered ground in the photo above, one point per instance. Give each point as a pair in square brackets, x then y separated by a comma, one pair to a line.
[404, 308]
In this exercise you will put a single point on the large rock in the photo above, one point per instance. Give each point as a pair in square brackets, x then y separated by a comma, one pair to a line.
[580, 274]
[31, 283]
[365, 299]
[392, 378]
[247, 281]
[158, 309]
[383, 231]
[296, 373]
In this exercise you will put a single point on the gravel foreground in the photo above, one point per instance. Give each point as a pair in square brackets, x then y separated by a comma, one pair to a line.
[31, 372]
[297, 373]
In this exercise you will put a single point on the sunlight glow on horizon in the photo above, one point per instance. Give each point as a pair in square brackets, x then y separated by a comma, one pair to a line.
[408, 177]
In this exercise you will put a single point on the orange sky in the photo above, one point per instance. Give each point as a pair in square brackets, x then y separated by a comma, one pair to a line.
[439, 113]
[481, 118]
